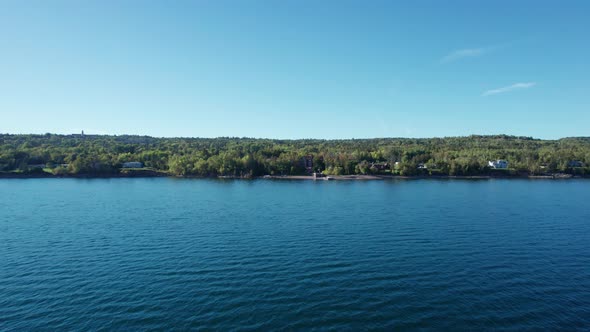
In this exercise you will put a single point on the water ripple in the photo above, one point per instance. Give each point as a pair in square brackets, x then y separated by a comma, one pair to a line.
[268, 255]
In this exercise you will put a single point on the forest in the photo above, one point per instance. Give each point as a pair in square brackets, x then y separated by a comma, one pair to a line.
[104, 155]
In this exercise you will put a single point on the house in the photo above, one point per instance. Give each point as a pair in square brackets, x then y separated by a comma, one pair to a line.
[133, 164]
[498, 164]
[575, 163]
[422, 166]
[379, 166]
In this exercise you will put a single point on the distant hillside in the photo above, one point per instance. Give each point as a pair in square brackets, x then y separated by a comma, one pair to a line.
[246, 157]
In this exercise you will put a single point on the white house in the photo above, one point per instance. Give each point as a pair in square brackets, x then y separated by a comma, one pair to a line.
[498, 164]
[133, 164]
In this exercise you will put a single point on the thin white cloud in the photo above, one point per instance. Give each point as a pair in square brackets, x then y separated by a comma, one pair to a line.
[515, 86]
[464, 53]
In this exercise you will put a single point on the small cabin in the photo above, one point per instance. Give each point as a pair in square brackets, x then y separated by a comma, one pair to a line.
[498, 164]
[380, 166]
[133, 164]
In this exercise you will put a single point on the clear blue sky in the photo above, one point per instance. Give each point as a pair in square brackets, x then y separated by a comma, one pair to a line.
[296, 69]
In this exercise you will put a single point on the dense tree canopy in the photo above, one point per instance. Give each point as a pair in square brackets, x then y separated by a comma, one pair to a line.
[246, 157]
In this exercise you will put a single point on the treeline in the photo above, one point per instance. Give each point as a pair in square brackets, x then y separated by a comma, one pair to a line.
[247, 157]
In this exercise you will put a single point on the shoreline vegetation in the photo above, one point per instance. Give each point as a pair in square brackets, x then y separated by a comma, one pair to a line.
[471, 157]
[15, 175]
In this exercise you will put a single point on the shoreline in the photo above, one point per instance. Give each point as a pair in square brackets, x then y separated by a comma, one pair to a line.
[557, 176]
[421, 177]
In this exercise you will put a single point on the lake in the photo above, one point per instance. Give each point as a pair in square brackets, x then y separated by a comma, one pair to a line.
[179, 254]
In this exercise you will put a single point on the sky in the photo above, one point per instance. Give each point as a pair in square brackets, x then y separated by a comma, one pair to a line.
[295, 69]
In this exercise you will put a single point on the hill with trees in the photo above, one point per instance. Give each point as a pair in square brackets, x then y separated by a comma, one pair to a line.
[102, 155]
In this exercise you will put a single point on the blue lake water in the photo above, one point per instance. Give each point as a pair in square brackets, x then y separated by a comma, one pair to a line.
[178, 254]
